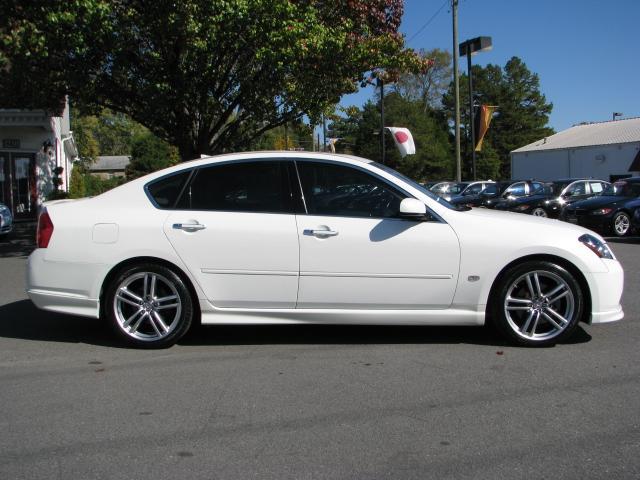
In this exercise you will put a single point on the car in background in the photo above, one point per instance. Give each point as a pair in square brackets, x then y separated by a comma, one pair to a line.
[513, 191]
[477, 196]
[6, 220]
[450, 190]
[635, 221]
[548, 201]
[260, 238]
[609, 212]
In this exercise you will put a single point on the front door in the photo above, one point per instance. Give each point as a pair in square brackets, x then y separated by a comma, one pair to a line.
[235, 229]
[18, 184]
[357, 253]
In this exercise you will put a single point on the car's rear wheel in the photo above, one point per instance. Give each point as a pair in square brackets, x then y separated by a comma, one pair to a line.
[149, 306]
[538, 303]
[621, 224]
[539, 212]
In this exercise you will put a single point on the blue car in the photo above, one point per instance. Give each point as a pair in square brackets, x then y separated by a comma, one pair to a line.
[6, 220]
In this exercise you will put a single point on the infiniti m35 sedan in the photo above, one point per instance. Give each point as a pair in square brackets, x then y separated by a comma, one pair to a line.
[296, 237]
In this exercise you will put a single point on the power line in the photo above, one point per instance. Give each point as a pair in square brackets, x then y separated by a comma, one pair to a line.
[428, 21]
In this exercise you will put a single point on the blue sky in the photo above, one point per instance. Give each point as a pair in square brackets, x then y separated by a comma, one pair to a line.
[586, 52]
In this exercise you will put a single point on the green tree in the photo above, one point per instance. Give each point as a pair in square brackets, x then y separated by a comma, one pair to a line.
[430, 85]
[522, 116]
[432, 160]
[207, 76]
[148, 154]
[77, 183]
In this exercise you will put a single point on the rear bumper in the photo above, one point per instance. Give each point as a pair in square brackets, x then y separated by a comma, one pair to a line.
[65, 303]
[64, 287]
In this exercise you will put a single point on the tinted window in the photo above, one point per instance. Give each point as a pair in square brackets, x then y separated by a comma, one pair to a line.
[345, 191]
[491, 189]
[578, 188]
[517, 190]
[536, 187]
[240, 187]
[165, 191]
[473, 189]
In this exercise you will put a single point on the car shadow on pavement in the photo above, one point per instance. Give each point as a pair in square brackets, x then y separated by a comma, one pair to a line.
[20, 242]
[22, 320]
[350, 335]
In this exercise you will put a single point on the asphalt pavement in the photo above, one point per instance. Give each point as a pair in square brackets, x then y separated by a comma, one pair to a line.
[314, 402]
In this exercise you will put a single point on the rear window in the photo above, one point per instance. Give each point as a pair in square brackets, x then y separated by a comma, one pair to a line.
[165, 191]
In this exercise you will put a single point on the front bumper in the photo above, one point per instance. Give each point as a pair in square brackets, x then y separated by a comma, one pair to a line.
[606, 293]
[598, 223]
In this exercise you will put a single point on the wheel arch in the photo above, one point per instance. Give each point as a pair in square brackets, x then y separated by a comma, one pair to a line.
[563, 262]
[116, 269]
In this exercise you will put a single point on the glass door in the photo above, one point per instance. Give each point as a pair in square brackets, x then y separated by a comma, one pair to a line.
[5, 182]
[23, 185]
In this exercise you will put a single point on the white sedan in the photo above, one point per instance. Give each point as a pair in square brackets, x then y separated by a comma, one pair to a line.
[296, 237]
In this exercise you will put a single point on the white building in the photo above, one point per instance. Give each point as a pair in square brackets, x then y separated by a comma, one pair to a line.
[32, 146]
[605, 150]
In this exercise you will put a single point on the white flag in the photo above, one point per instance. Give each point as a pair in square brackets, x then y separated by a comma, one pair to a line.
[404, 140]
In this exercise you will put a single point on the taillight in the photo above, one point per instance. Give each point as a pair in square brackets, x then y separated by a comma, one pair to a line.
[45, 229]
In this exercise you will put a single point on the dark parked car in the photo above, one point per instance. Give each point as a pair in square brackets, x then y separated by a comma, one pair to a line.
[6, 220]
[476, 196]
[635, 221]
[548, 201]
[512, 191]
[608, 212]
[451, 190]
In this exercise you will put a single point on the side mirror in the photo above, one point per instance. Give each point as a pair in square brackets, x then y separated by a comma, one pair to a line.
[412, 208]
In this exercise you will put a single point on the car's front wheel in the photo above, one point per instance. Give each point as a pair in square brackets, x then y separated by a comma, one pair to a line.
[149, 306]
[539, 212]
[621, 224]
[537, 303]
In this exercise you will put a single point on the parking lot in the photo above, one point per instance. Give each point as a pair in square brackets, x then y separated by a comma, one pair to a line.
[297, 402]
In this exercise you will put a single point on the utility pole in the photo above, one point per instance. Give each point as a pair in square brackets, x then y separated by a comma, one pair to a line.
[456, 82]
[324, 133]
[472, 127]
[382, 143]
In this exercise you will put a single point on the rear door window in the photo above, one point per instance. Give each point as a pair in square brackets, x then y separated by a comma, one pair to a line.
[164, 192]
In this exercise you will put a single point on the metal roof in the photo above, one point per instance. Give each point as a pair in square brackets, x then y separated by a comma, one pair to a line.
[110, 162]
[589, 134]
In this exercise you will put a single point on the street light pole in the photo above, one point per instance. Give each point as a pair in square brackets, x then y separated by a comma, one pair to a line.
[468, 48]
[456, 83]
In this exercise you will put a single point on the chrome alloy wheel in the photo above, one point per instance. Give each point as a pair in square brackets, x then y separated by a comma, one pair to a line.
[539, 305]
[621, 224]
[539, 212]
[147, 306]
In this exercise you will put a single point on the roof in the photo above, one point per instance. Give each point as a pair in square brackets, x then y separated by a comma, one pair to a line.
[110, 162]
[589, 134]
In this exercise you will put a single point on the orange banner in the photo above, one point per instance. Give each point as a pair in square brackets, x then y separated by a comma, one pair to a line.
[484, 114]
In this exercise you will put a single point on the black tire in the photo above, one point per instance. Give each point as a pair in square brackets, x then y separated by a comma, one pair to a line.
[528, 318]
[539, 212]
[621, 224]
[159, 298]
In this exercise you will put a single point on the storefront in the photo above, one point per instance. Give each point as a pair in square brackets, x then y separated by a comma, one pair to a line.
[36, 153]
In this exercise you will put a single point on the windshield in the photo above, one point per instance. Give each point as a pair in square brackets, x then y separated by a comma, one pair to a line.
[622, 189]
[419, 187]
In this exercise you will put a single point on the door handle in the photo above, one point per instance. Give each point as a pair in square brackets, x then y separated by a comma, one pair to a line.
[189, 227]
[320, 232]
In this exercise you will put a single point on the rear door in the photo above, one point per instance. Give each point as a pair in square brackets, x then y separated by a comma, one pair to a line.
[235, 229]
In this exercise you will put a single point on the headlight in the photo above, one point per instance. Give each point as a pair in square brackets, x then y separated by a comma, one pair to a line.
[602, 211]
[598, 247]
[521, 208]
